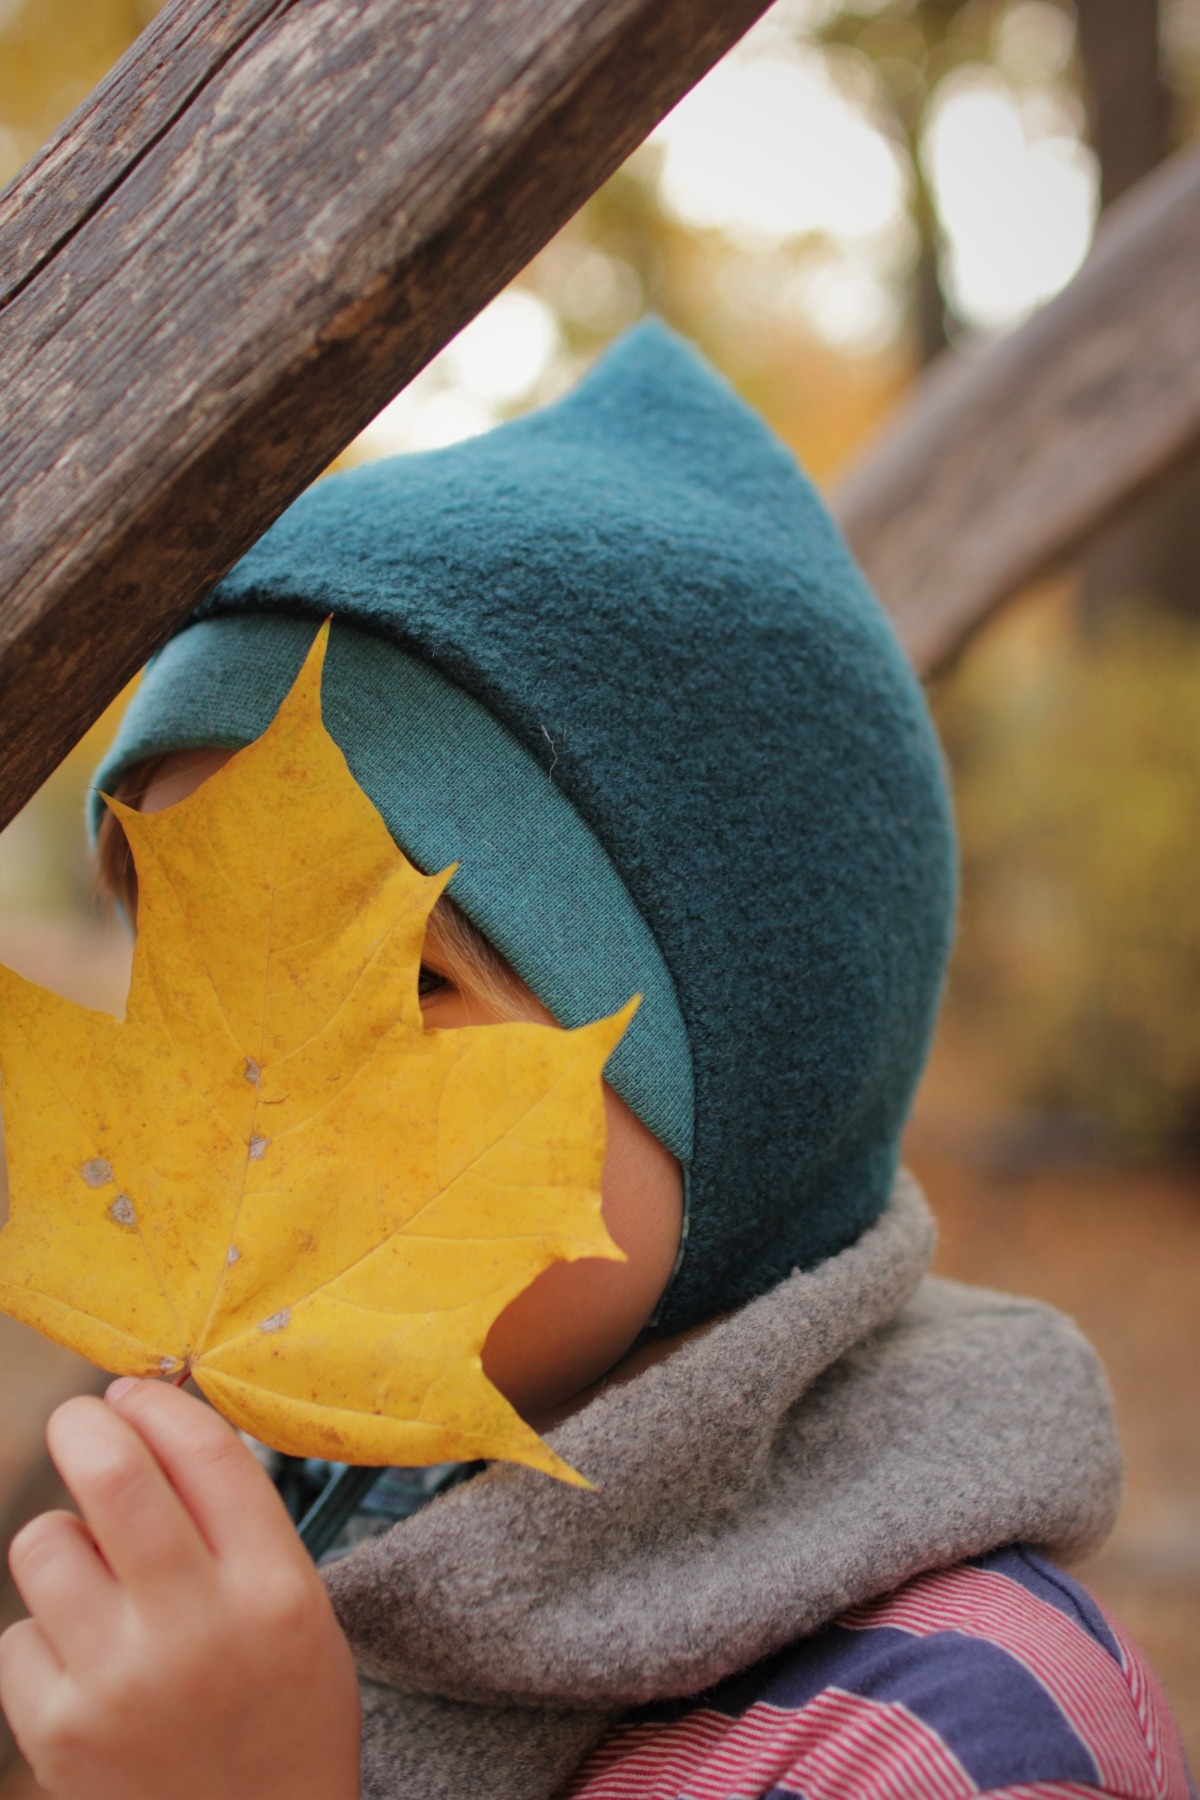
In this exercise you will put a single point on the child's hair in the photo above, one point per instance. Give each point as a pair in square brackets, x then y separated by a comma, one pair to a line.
[460, 951]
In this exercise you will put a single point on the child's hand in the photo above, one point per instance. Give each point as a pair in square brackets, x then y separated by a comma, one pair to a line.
[182, 1646]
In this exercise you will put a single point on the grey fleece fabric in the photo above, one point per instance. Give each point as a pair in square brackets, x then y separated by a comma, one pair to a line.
[859, 1424]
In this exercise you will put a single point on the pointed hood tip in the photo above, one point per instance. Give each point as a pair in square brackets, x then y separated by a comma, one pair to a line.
[652, 353]
[650, 394]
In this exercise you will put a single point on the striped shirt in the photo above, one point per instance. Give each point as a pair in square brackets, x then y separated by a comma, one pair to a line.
[999, 1677]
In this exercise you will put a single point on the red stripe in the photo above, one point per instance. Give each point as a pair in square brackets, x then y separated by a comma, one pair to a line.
[841, 1746]
[648, 1761]
[651, 1760]
[1093, 1692]
[849, 1747]
[1045, 1790]
[615, 1747]
[838, 1747]
[1154, 1713]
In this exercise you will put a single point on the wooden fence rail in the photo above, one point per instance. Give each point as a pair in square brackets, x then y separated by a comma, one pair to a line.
[1005, 461]
[260, 227]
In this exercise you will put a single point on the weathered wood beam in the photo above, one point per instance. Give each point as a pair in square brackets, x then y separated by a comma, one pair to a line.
[144, 93]
[1004, 462]
[264, 223]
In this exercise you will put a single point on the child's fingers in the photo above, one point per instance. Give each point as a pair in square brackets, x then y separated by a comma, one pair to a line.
[30, 1673]
[227, 1493]
[142, 1530]
[63, 1581]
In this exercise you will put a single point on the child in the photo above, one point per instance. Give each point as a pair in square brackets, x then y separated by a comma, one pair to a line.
[615, 661]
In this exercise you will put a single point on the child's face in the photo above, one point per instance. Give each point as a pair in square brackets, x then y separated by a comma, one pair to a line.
[577, 1319]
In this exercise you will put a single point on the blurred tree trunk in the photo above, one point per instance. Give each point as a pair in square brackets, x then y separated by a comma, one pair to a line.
[1154, 550]
[931, 312]
[1131, 107]
[930, 308]
[930, 319]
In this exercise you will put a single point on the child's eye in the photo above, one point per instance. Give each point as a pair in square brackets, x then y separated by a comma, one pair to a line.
[430, 982]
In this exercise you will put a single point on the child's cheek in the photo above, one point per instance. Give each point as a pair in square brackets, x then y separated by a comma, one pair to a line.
[577, 1320]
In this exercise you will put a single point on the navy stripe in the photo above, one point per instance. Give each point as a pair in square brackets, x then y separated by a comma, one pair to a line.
[987, 1708]
[989, 1711]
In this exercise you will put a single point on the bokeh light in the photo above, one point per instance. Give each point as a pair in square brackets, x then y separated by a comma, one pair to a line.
[791, 160]
[496, 363]
[1017, 194]
[769, 147]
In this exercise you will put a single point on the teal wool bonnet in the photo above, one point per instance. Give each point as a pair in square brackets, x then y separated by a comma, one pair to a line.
[615, 660]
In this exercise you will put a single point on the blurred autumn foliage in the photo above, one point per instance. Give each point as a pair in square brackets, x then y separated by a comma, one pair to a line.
[52, 53]
[1076, 758]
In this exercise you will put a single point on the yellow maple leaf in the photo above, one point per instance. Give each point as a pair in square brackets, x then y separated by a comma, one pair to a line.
[269, 1174]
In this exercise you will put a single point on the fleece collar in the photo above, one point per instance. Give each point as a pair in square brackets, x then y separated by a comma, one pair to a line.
[859, 1424]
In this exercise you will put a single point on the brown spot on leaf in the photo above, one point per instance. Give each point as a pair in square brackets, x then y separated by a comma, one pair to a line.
[97, 1173]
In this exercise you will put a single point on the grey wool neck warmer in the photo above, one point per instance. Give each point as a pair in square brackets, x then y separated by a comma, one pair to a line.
[861, 1423]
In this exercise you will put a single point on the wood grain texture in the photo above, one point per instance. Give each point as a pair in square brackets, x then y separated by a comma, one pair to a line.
[144, 93]
[1004, 462]
[298, 220]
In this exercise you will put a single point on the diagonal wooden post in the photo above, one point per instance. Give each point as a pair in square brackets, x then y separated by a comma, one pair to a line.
[261, 226]
[1004, 462]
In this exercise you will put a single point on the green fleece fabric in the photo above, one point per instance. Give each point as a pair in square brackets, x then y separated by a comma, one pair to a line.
[641, 587]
